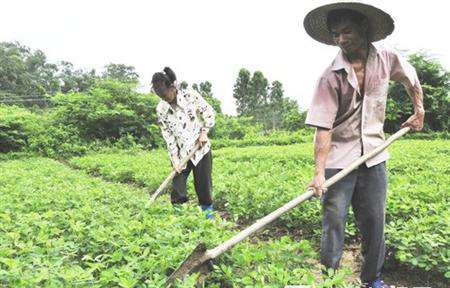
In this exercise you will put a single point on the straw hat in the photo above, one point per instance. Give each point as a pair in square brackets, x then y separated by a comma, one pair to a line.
[380, 23]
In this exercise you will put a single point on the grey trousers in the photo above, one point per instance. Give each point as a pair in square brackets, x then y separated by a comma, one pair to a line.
[365, 188]
[202, 182]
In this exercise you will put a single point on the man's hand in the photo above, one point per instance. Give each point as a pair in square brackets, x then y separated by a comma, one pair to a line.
[202, 139]
[316, 184]
[415, 121]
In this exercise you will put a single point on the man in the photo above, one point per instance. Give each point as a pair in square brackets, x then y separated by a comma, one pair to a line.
[348, 111]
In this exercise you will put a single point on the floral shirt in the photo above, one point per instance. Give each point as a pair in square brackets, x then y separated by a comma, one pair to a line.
[182, 123]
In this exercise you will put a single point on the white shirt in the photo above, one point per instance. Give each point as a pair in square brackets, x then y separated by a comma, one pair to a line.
[181, 124]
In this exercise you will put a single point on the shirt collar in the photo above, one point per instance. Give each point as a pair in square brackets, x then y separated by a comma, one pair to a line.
[341, 62]
[180, 101]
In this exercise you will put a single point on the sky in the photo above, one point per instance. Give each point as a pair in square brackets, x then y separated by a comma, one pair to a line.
[205, 40]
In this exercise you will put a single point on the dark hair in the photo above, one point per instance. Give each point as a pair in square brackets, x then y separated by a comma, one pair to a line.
[339, 15]
[164, 79]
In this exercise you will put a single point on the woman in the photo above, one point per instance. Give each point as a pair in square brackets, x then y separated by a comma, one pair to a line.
[185, 118]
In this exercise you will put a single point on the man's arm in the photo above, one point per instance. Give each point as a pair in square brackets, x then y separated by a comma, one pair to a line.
[403, 72]
[416, 120]
[322, 114]
[322, 145]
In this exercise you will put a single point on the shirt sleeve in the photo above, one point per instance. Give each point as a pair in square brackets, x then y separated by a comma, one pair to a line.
[205, 110]
[402, 71]
[324, 105]
[168, 136]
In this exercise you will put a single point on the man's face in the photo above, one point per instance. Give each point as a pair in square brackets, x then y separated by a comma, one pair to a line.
[348, 36]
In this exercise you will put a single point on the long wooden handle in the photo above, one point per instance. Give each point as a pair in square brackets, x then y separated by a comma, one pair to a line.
[172, 174]
[341, 174]
[213, 253]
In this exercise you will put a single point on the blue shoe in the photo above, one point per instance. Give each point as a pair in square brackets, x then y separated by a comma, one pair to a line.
[208, 209]
[378, 283]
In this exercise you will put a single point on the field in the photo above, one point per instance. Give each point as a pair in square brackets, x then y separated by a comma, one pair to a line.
[64, 226]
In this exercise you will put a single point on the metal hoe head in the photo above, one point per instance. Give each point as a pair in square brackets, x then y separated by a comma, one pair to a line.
[198, 261]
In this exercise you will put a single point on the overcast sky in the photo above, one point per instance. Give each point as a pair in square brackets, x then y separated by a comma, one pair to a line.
[207, 40]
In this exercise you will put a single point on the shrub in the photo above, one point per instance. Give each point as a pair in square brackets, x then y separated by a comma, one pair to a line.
[110, 111]
[17, 126]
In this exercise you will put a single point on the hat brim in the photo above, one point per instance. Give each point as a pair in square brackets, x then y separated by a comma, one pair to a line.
[381, 24]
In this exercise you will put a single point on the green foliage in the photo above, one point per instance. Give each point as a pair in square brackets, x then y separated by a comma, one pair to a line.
[110, 111]
[293, 119]
[232, 131]
[17, 127]
[75, 80]
[205, 89]
[184, 85]
[26, 78]
[110, 164]
[231, 127]
[273, 138]
[276, 101]
[58, 141]
[418, 216]
[241, 93]
[63, 228]
[26, 72]
[251, 182]
[273, 264]
[251, 94]
[266, 104]
[120, 72]
[428, 135]
[24, 131]
[435, 82]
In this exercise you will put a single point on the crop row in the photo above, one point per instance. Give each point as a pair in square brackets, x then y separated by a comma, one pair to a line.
[251, 182]
[63, 228]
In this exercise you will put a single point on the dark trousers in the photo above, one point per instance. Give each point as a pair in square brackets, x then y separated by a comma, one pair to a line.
[202, 182]
[365, 188]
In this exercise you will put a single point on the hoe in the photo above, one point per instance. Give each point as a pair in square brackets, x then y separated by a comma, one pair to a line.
[200, 258]
[172, 174]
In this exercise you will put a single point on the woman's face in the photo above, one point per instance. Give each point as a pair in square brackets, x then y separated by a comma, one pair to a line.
[168, 94]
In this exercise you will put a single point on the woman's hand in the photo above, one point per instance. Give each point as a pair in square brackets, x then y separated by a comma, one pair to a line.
[177, 167]
[202, 139]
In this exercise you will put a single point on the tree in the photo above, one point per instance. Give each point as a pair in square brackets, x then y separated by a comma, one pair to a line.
[205, 89]
[72, 80]
[266, 105]
[26, 74]
[258, 96]
[42, 73]
[111, 110]
[435, 81]
[184, 85]
[275, 105]
[27, 78]
[121, 72]
[241, 92]
[292, 118]
[251, 94]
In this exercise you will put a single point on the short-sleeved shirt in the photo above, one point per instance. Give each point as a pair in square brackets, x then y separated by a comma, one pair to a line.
[182, 123]
[357, 120]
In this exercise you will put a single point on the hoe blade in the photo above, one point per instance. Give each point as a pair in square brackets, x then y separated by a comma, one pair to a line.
[198, 261]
